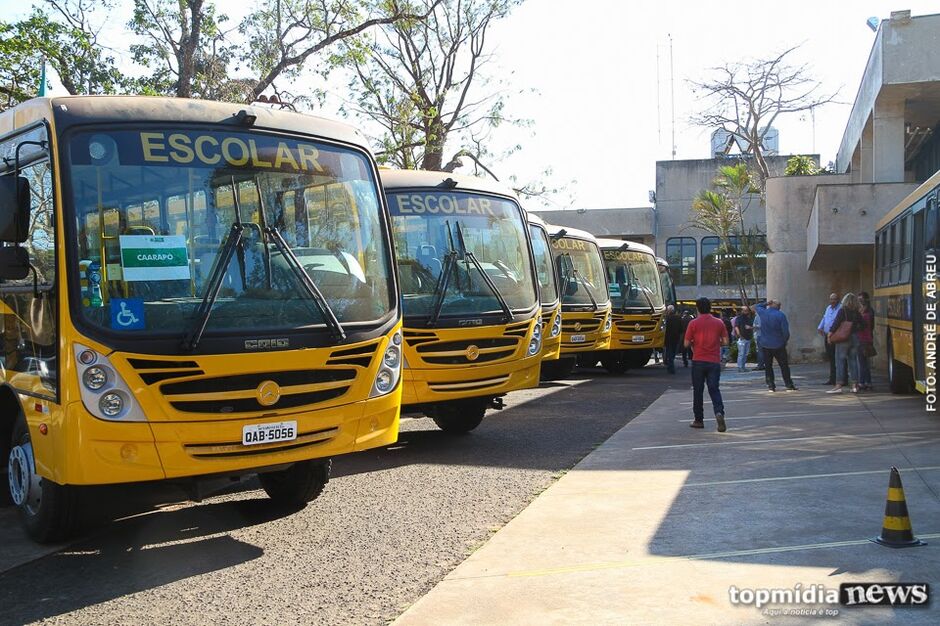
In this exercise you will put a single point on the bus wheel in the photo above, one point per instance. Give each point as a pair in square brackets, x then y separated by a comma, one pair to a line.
[459, 417]
[299, 484]
[616, 362]
[900, 377]
[553, 370]
[47, 509]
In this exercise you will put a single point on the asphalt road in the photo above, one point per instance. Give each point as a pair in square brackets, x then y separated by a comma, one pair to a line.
[391, 523]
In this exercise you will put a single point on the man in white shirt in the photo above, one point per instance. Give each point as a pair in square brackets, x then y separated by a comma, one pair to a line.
[824, 328]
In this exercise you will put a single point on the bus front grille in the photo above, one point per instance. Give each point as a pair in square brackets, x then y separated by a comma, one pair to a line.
[434, 351]
[239, 393]
[580, 326]
[232, 449]
[636, 326]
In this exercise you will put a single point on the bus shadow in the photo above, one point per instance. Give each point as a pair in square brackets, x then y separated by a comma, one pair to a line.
[133, 555]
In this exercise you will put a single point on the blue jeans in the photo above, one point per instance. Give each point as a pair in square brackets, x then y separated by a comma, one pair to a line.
[669, 358]
[705, 373]
[744, 346]
[847, 355]
[760, 353]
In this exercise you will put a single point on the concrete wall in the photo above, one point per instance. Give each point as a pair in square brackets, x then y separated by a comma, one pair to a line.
[633, 224]
[804, 294]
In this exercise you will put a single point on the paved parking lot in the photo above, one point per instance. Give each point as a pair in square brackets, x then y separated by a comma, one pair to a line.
[662, 520]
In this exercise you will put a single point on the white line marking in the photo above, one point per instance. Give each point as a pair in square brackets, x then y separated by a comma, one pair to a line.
[801, 477]
[739, 441]
[775, 415]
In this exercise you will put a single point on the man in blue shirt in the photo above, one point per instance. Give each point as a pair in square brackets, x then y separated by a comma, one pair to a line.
[775, 333]
[824, 328]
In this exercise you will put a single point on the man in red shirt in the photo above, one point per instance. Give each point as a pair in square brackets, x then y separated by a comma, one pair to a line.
[705, 335]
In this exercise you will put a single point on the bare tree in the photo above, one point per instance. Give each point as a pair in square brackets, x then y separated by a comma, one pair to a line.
[745, 99]
[424, 83]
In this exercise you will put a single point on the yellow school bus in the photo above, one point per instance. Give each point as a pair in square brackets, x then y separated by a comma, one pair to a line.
[585, 301]
[548, 288]
[907, 249]
[470, 298]
[636, 295]
[191, 289]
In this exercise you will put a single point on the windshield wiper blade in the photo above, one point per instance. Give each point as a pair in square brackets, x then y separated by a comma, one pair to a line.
[507, 312]
[309, 287]
[577, 274]
[233, 241]
[440, 290]
[232, 244]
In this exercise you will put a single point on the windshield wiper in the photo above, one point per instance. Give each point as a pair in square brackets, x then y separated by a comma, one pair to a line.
[507, 312]
[232, 243]
[577, 274]
[309, 287]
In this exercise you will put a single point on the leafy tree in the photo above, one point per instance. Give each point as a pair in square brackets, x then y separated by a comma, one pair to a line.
[721, 211]
[745, 99]
[64, 33]
[423, 83]
[801, 165]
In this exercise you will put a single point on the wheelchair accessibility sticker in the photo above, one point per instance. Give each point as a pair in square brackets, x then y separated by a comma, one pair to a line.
[127, 314]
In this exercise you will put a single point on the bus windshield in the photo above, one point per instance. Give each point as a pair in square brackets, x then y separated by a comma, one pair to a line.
[633, 280]
[543, 265]
[434, 230]
[154, 211]
[669, 288]
[580, 273]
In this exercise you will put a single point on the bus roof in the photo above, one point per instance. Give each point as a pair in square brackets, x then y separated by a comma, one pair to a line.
[574, 233]
[910, 199]
[70, 110]
[535, 219]
[422, 179]
[617, 244]
[661, 261]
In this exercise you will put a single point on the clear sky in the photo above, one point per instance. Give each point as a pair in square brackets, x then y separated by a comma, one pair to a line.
[601, 80]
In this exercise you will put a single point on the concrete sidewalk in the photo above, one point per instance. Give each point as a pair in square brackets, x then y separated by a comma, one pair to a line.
[658, 523]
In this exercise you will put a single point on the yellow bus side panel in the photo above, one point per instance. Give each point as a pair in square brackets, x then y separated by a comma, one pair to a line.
[903, 342]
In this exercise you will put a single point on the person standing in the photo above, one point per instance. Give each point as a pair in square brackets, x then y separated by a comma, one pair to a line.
[824, 328]
[706, 335]
[672, 338]
[844, 335]
[726, 350]
[757, 345]
[866, 341]
[686, 351]
[775, 333]
[743, 332]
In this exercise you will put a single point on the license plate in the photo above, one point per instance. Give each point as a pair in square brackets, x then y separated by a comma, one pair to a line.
[639, 338]
[268, 433]
[578, 338]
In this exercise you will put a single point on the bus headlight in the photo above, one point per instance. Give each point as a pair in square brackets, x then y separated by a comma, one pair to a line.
[386, 379]
[111, 404]
[535, 344]
[95, 378]
[104, 393]
[556, 325]
[608, 322]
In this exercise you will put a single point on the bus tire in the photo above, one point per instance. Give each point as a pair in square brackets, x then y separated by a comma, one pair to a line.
[616, 362]
[299, 484]
[47, 510]
[900, 376]
[553, 370]
[458, 418]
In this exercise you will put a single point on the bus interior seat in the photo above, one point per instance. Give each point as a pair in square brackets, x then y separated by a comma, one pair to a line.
[426, 255]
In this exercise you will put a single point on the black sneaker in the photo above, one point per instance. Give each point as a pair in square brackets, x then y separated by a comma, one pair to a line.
[720, 418]
[791, 388]
[697, 424]
[771, 389]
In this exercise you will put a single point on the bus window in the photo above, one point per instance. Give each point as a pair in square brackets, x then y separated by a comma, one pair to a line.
[930, 225]
[893, 257]
[906, 252]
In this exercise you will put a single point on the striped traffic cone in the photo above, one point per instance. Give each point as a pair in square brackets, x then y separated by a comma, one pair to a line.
[896, 530]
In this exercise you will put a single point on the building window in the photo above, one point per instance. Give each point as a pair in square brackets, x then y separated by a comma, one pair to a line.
[721, 266]
[681, 255]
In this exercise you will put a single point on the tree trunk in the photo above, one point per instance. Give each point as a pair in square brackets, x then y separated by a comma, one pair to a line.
[434, 147]
[189, 44]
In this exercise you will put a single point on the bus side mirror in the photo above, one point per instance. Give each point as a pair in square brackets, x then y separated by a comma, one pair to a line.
[14, 209]
[14, 263]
